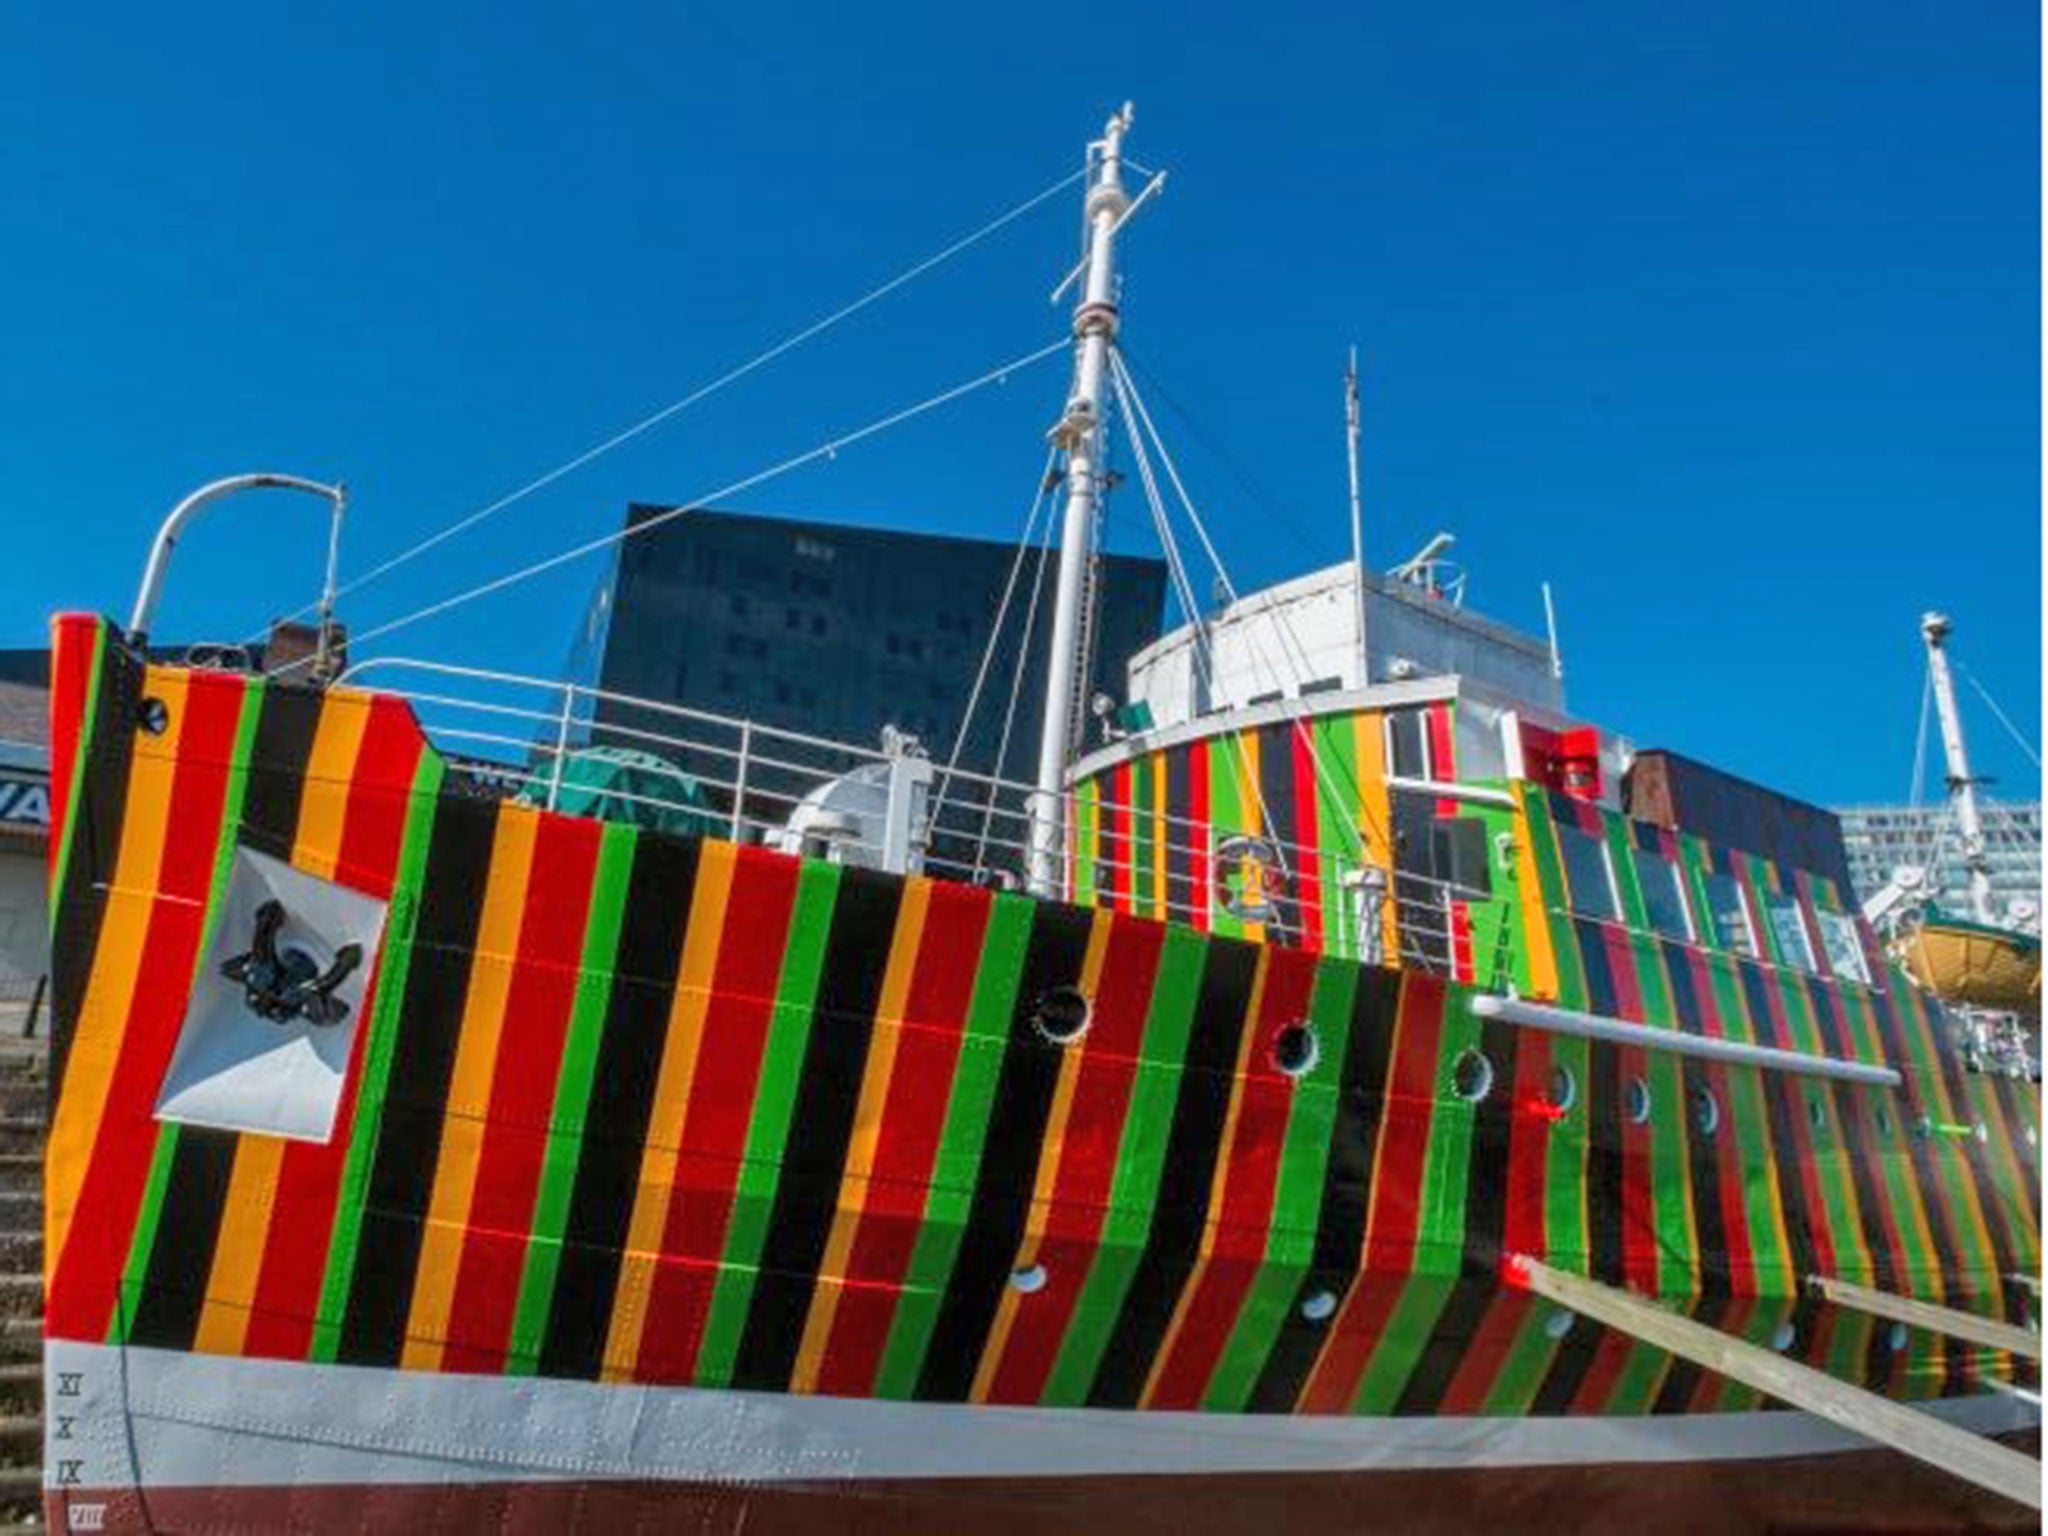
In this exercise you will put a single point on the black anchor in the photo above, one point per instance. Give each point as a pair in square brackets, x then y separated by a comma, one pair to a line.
[281, 987]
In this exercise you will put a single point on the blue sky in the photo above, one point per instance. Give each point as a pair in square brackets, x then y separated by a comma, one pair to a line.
[1724, 320]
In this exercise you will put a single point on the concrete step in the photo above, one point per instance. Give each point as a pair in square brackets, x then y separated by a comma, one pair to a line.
[21, 1439]
[21, 1171]
[24, 1098]
[21, 1134]
[21, 1210]
[21, 1497]
[21, 1387]
[21, 1253]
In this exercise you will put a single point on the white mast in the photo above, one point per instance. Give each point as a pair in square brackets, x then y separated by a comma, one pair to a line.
[1351, 434]
[1079, 434]
[1962, 786]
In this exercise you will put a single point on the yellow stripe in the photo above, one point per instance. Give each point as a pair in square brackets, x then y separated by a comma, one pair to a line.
[1535, 921]
[1217, 1181]
[867, 1130]
[469, 1087]
[1048, 1173]
[1376, 815]
[110, 991]
[671, 1101]
[252, 1187]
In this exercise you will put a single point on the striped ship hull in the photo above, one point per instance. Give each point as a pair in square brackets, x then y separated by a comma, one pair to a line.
[673, 1181]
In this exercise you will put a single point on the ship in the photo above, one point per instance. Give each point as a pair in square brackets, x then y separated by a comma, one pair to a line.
[1347, 1091]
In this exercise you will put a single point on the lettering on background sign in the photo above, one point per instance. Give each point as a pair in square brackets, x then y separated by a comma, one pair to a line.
[24, 802]
[86, 1517]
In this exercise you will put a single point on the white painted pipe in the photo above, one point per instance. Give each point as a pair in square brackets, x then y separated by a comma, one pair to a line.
[1597, 1026]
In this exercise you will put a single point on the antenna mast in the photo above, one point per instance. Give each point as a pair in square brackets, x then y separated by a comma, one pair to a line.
[1079, 435]
[1962, 785]
[1351, 434]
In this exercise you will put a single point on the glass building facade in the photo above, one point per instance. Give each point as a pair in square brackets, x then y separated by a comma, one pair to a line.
[1880, 838]
[838, 631]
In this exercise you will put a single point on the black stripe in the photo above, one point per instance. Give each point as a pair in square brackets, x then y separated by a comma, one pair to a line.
[452, 894]
[1030, 1070]
[1486, 1214]
[2024, 1152]
[1702, 1166]
[1862, 1166]
[1347, 1190]
[174, 1290]
[1182, 900]
[1568, 1368]
[821, 1124]
[101, 799]
[1201, 1103]
[1276, 789]
[1933, 1192]
[1675, 1393]
[195, 1198]
[1785, 1116]
[653, 928]
[1605, 1164]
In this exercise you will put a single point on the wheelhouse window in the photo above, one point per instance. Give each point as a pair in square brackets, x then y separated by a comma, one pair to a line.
[1788, 928]
[1589, 873]
[1844, 946]
[1664, 895]
[1730, 915]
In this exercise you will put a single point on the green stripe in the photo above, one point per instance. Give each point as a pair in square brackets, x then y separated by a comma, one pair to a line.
[1528, 1359]
[1297, 1197]
[782, 1059]
[609, 883]
[1141, 1158]
[399, 921]
[1337, 839]
[225, 843]
[967, 1113]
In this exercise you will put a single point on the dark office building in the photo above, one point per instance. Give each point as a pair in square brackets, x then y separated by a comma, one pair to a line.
[838, 631]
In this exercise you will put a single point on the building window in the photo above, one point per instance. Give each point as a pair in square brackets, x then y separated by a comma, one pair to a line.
[1838, 936]
[1730, 914]
[740, 605]
[818, 625]
[1664, 895]
[1788, 930]
[1589, 873]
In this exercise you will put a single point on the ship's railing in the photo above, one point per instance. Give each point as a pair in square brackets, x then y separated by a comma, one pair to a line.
[892, 807]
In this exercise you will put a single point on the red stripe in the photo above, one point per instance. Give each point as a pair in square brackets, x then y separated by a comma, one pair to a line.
[1442, 758]
[1641, 1242]
[82, 1291]
[714, 1139]
[1486, 1353]
[1531, 1126]
[1089, 1145]
[913, 1117]
[1728, 1182]
[1353, 1334]
[73, 639]
[1122, 883]
[1308, 864]
[538, 1002]
[1199, 834]
[309, 1175]
[1610, 1357]
[1244, 1211]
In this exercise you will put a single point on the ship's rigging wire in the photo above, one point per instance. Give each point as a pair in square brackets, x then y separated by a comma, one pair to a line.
[995, 636]
[2003, 719]
[1920, 738]
[823, 450]
[702, 392]
[988, 804]
[1298, 664]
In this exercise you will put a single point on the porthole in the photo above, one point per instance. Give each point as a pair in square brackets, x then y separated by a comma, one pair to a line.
[2033, 1136]
[1706, 1111]
[1472, 1076]
[1318, 1306]
[153, 715]
[1027, 1278]
[1558, 1324]
[1923, 1127]
[1896, 1337]
[1816, 1112]
[1782, 1336]
[1883, 1117]
[1564, 1089]
[1982, 1132]
[1061, 1015]
[1636, 1100]
[1296, 1050]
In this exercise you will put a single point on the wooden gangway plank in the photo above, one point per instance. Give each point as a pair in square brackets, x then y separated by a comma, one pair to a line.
[1921, 1436]
[1977, 1329]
